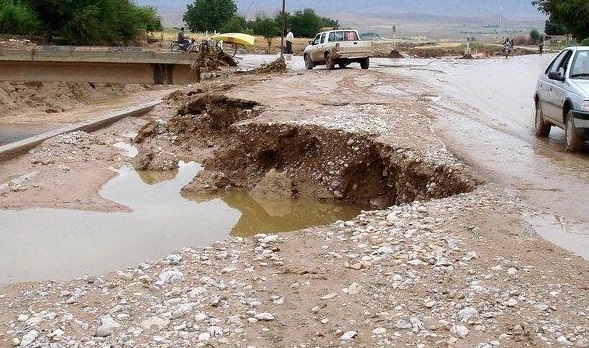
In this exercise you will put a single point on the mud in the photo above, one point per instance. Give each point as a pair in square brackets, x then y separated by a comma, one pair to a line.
[277, 66]
[318, 163]
[463, 271]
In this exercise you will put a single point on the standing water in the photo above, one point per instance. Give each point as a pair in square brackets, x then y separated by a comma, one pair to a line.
[43, 244]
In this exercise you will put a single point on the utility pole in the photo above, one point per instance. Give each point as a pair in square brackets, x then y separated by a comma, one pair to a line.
[500, 20]
[282, 29]
[394, 37]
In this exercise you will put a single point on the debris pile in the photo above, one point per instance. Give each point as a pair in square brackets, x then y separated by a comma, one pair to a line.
[211, 58]
[395, 54]
[277, 66]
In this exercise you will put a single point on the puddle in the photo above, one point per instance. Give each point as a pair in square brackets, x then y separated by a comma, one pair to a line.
[571, 236]
[267, 216]
[12, 132]
[42, 244]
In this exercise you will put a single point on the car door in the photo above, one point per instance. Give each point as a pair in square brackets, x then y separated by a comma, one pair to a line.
[317, 54]
[552, 91]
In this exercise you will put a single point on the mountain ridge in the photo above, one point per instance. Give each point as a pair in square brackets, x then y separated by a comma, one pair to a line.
[374, 15]
[512, 9]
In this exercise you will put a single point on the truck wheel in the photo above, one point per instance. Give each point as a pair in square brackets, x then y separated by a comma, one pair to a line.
[308, 62]
[365, 63]
[342, 65]
[573, 141]
[329, 63]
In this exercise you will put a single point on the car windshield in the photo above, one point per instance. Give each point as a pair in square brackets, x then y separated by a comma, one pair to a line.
[580, 67]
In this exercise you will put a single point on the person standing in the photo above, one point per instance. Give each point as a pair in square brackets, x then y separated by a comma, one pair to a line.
[289, 41]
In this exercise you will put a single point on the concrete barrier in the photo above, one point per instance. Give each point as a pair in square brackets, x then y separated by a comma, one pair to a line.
[12, 150]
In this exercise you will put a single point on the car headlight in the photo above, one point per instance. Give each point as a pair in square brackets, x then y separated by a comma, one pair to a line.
[585, 105]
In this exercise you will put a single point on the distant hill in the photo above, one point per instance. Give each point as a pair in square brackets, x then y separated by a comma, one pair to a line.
[379, 15]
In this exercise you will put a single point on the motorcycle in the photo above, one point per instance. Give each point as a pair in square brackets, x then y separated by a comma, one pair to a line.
[189, 47]
[507, 50]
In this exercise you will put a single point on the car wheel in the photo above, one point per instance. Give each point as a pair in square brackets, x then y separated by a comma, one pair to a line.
[541, 127]
[365, 63]
[308, 62]
[329, 63]
[573, 141]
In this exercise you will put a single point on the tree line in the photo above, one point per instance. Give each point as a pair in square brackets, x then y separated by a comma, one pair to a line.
[120, 22]
[221, 15]
[78, 22]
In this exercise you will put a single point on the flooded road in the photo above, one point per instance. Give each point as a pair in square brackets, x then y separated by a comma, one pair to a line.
[485, 115]
[484, 110]
[12, 132]
[64, 244]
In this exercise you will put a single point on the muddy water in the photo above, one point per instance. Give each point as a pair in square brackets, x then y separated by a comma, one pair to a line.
[42, 244]
[486, 112]
[11, 132]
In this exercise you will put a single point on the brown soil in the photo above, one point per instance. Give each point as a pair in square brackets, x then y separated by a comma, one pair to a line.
[444, 259]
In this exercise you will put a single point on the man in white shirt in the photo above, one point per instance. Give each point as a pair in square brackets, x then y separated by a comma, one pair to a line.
[289, 41]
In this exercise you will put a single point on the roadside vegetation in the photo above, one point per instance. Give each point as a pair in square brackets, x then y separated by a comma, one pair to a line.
[565, 17]
[121, 22]
[75, 22]
[222, 16]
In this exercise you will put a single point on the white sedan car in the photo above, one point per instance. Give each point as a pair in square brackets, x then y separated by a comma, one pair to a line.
[562, 97]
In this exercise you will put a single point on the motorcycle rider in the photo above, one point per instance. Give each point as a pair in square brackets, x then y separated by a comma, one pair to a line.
[182, 40]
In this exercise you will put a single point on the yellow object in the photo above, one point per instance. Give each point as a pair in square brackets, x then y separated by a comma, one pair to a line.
[235, 38]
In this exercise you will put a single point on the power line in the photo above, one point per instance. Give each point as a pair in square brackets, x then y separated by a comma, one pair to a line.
[248, 8]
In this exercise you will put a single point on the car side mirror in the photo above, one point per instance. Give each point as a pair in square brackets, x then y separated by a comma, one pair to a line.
[555, 75]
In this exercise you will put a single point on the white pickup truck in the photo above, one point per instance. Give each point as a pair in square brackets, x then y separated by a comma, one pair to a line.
[339, 46]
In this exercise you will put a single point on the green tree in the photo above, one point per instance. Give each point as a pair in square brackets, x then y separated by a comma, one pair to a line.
[90, 22]
[554, 28]
[203, 15]
[236, 24]
[307, 23]
[267, 27]
[535, 36]
[15, 18]
[571, 14]
[149, 19]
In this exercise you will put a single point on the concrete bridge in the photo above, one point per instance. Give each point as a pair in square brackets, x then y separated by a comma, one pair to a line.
[108, 65]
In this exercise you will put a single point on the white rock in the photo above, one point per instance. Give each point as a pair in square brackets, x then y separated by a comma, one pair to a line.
[349, 335]
[264, 316]
[200, 317]
[174, 259]
[29, 338]
[564, 341]
[204, 337]
[159, 323]
[354, 289]
[108, 321]
[467, 314]
[379, 331]
[170, 276]
[459, 330]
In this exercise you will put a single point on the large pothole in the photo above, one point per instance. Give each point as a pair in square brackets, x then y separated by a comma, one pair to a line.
[292, 160]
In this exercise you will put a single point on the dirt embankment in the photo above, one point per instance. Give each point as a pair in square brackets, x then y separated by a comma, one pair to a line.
[320, 163]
